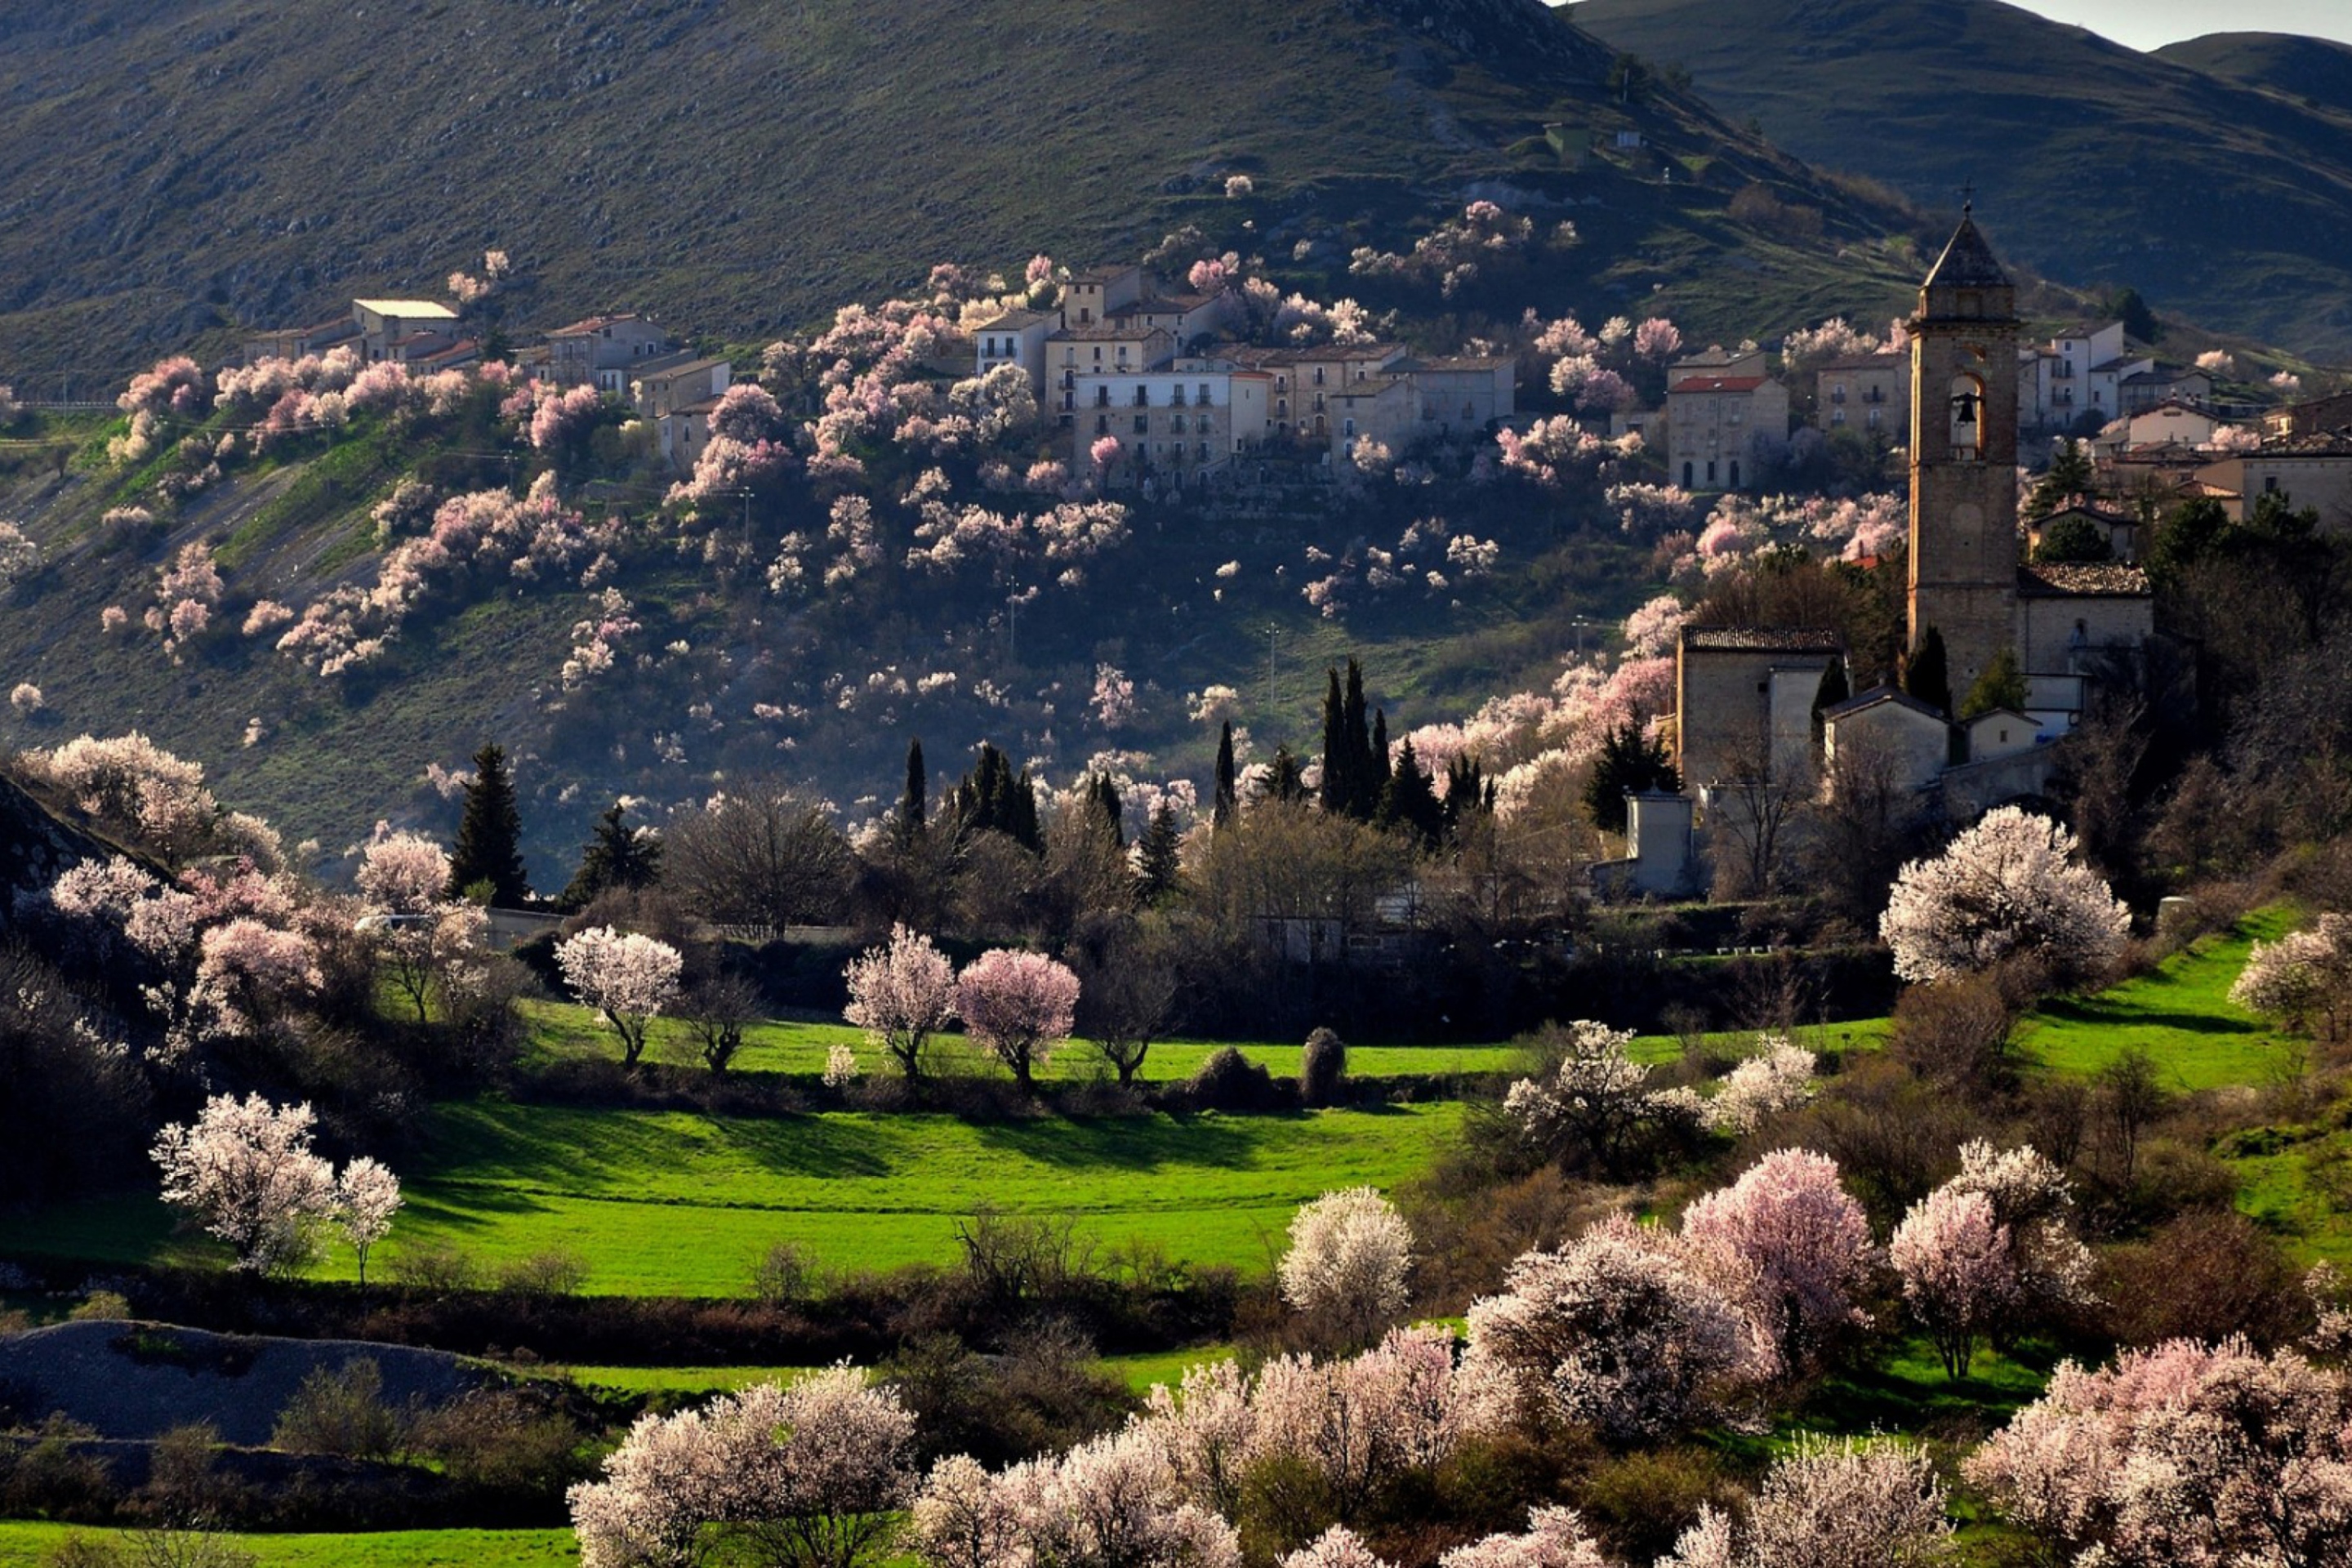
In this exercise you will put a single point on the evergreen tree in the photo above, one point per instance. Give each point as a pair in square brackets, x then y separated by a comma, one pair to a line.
[1227, 798]
[993, 799]
[1363, 789]
[2071, 539]
[1467, 790]
[908, 822]
[2068, 475]
[1102, 799]
[2192, 532]
[1376, 759]
[1336, 789]
[1833, 690]
[1156, 860]
[489, 851]
[1628, 764]
[1929, 674]
[1288, 783]
[1408, 804]
[616, 856]
[2002, 685]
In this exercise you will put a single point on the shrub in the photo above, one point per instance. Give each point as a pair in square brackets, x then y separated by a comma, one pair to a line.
[1229, 1080]
[502, 1440]
[1322, 1068]
[1642, 1501]
[555, 1271]
[101, 1306]
[440, 1270]
[341, 1412]
[2205, 1276]
[181, 1487]
[784, 1275]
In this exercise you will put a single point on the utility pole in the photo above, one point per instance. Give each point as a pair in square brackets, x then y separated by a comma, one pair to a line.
[1013, 630]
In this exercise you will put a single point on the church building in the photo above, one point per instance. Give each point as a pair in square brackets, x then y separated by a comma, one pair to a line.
[1743, 694]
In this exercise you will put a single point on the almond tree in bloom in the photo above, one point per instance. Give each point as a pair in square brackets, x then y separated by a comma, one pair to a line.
[1019, 1006]
[629, 978]
[901, 993]
[1790, 1247]
[1832, 1503]
[18, 556]
[1113, 1502]
[2008, 887]
[1350, 1253]
[247, 1169]
[2186, 1456]
[424, 938]
[1599, 1106]
[1778, 1077]
[27, 699]
[809, 1475]
[2305, 977]
[1958, 1274]
[1615, 1333]
[1556, 1538]
[1337, 1547]
[366, 1196]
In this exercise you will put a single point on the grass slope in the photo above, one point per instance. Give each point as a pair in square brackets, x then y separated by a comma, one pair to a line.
[735, 167]
[2078, 146]
[676, 1205]
[22, 1542]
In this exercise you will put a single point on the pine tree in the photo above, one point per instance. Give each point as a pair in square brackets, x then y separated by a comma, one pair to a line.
[1227, 798]
[907, 823]
[1157, 857]
[615, 856]
[2069, 474]
[1628, 764]
[1929, 674]
[489, 851]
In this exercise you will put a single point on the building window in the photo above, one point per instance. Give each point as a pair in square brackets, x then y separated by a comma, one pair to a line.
[1837, 417]
[1710, 472]
[1319, 375]
[1688, 480]
[1735, 473]
[1102, 424]
[1143, 397]
[1142, 423]
[1204, 451]
[1874, 418]
[2269, 484]
[1102, 397]
[1282, 408]
[1348, 428]
[1837, 395]
[1178, 425]
[1203, 398]
[1176, 395]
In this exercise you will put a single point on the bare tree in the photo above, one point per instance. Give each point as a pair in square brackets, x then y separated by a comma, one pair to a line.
[1867, 821]
[1128, 979]
[759, 856]
[1749, 813]
[715, 1010]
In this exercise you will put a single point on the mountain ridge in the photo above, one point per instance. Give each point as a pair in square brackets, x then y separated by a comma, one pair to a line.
[2228, 205]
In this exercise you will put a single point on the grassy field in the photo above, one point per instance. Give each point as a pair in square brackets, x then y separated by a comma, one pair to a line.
[22, 1543]
[1138, 1371]
[2179, 1012]
[675, 1204]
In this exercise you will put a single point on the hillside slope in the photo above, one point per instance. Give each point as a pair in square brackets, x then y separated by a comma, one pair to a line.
[2230, 205]
[737, 167]
[2319, 70]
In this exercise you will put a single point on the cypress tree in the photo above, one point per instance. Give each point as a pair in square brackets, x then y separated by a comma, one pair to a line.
[1928, 675]
[1155, 861]
[1467, 790]
[1409, 804]
[1377, 757]
[489, 836]
[1021, 813]
[1226, 801]
[1102, 799]
[1363, 789]
[614, 857]
[2002, 685]
[908, 825]
[1336, 791]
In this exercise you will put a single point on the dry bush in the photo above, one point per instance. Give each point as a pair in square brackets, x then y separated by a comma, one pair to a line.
[2204, 1276]
[343, 1412]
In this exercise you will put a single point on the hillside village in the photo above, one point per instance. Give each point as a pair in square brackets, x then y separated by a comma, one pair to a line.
[1461, 871]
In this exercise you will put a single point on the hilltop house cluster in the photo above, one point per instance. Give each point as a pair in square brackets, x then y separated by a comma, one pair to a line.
[1119, 359]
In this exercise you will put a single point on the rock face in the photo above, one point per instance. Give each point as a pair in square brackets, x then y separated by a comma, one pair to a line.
[137, 1381]
[36, 846]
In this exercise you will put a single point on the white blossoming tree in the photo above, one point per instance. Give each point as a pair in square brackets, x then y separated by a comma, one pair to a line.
[2009, 887]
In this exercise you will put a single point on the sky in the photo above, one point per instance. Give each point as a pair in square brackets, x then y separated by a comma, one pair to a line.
[2151, 23]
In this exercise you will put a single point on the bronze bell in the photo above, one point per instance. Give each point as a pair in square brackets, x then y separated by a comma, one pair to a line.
[1966, 403]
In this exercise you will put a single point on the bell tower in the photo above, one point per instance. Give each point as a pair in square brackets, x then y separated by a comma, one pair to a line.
[1964, 457]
